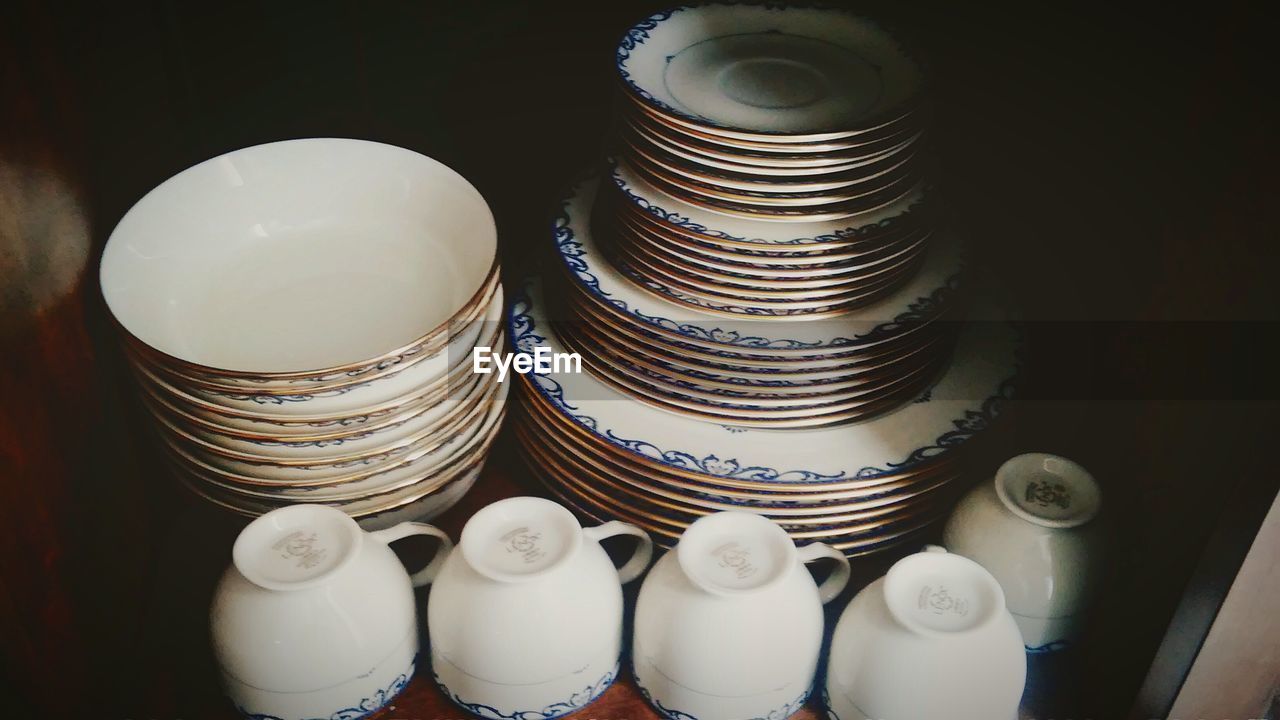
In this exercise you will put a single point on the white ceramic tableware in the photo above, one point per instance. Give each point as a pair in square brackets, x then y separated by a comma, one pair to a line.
[729, 624]
[315, 617]
[731, 234]
[748, 70]
[967, 396]
[525, 618]
[396, 473]
[930, 639]
[193, 410]
[585, 261]
[324, 472]
[402, 380]
[1034, 527]
[272, 260]
[320, 446]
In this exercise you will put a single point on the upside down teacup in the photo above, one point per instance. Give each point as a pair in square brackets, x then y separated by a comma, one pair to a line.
[729, 624]
[1034, 527]
[315, 617]
[930, 639]
[525, 619]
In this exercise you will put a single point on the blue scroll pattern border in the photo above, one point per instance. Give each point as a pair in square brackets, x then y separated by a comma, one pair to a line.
[364, 708]
[637, 34]
[780, 713]
[523, 330]
[576, 702]
[572, 252]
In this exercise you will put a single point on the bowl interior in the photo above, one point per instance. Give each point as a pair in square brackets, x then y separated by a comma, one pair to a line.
[298, 255]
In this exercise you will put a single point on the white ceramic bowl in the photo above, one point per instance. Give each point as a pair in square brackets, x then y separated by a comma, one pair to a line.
[426, 507]
[355, 480]
[328, 446]
[277, 427]
[302, 258]
[407, 453]
[402, 380]
[426, 495]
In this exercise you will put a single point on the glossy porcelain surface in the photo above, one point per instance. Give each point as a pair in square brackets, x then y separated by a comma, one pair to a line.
[582, 255]
[1035, 528]
[766, 68]
[274, 258]
[295, 625]
[527, 611]
[405, 379]
[931, 639]
[961, 403]
[729, 623]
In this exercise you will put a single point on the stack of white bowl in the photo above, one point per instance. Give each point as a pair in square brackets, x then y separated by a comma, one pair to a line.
[301, 318]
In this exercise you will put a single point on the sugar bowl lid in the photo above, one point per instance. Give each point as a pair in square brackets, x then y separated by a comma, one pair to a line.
[1048, 490]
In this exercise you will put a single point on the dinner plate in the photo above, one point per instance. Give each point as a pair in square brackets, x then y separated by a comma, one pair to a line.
[962, 402]
[767, 70]
[623, 480]
[800, 380]
[583, 477]
[618, 365]
[550, 433]
[667, 536]
[808, 417]
[797, 366]
[563, 431]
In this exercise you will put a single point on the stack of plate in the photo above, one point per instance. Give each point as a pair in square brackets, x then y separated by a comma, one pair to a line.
[775, 170]
[771, 112]
[861, 488]
[768, 173]
[736, 266]
[301, 316]
[647, 341]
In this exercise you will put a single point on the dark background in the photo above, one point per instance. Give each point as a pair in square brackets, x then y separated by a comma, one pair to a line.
[1115, 169]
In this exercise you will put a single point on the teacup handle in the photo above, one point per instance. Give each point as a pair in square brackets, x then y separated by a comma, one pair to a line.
[639, 559]
[838, 578]
[404, 530]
